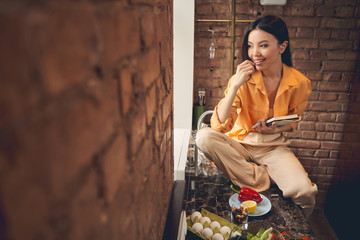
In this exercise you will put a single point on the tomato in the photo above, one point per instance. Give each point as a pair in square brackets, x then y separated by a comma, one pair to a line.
[304, 238]
[272, 236]
[286, 235]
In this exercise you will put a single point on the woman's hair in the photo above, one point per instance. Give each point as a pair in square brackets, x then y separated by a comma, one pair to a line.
[276, 27]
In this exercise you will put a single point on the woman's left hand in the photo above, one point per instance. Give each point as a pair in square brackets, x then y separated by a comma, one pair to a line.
[262, 128]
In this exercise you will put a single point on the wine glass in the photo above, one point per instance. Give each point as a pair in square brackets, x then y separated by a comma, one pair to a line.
[239, 216]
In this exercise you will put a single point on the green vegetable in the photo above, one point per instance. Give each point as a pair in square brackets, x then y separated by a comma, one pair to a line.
[266, 233]
[249, 236]
[262, 234]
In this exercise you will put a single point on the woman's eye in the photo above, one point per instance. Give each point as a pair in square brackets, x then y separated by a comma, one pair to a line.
[263, 45]
[249, 46]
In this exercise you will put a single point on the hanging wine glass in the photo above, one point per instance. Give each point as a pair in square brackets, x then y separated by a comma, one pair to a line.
[212, 48]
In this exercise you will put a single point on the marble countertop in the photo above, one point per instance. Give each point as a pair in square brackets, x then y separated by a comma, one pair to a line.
[213, 192]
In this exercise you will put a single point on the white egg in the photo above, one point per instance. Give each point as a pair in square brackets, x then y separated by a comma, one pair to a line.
[215, 224]
[207, 233]
[197, 227]
[217, 236]
[224, 230]
[205, 219]
[195, 214]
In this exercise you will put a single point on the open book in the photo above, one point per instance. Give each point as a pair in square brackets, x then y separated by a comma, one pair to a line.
[281, 120]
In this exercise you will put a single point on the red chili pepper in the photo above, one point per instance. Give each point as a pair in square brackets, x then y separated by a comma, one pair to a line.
[249, 194]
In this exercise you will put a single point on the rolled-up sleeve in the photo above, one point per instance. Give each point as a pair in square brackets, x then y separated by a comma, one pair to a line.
[228, 124]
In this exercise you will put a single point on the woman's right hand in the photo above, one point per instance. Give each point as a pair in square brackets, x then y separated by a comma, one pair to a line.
[243, 71]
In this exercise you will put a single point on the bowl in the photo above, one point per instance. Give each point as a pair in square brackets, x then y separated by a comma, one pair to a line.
[241, 232]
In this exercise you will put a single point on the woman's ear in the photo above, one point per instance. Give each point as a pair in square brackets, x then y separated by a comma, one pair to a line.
[283, 46]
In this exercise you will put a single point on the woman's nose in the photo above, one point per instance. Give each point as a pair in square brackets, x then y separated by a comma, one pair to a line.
[256, 51]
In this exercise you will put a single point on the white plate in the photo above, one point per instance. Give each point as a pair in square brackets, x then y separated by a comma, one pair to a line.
[261, 209]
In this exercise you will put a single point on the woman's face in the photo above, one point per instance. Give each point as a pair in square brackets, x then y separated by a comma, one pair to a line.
[264, 49]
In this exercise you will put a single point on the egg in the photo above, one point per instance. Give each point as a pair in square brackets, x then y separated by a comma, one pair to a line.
[203, 220]
[207, 233]
[217, 236]
[194, 215]
[215, 224]
[197, 227]
[224, 230]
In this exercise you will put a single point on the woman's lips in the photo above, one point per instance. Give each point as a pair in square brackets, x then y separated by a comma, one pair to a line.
[259, 62]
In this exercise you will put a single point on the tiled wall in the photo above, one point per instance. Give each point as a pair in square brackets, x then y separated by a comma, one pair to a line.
[86, 149]
[324, 43]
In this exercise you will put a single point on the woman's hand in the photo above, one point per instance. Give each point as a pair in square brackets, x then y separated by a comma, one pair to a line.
[262, 128]
[242, 74]
[243, 71]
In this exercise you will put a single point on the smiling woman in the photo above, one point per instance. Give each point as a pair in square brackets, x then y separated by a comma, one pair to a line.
[264, 86]
[276, 31]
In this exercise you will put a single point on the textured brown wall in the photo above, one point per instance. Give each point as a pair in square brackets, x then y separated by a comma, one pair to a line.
[85, 119]
[324, 43]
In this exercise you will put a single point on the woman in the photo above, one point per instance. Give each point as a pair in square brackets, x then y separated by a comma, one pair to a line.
[264, 85]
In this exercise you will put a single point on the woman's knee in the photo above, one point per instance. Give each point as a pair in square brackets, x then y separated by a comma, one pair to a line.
[206, 138]
[202, 137]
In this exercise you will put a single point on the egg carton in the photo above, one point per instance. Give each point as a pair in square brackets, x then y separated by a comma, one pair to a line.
[191, 235]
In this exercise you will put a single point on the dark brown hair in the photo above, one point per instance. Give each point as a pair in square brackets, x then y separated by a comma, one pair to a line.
[276, 27]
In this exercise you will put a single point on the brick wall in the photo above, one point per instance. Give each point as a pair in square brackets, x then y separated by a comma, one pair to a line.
[85, 119]
[324, 43]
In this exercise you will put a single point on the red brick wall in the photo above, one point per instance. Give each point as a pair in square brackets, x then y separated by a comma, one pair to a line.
[85, 119]
[324, 43]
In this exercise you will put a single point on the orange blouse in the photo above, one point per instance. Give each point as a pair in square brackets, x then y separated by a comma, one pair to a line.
[251, 102]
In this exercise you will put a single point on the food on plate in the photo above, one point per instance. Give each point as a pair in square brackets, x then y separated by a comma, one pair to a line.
[246, 194]
[215, 226]
[288, 236]
[195, 216]
[207, 233]
[263, 234]
[217, 236]
[250, 204]
[205, 221]
[197, 227]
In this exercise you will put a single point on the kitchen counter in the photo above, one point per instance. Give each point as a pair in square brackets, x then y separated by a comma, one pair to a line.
[207, 187]
[213, 193]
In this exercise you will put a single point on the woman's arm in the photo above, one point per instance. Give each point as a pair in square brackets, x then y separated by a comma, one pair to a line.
[285, 128]
[243, 71]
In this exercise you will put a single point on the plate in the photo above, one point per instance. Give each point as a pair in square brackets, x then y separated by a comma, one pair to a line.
[261, 209]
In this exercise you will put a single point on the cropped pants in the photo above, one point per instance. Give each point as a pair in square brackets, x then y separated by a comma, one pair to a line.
[255, 165]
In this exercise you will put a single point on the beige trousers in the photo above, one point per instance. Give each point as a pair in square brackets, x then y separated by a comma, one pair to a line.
[249, 165]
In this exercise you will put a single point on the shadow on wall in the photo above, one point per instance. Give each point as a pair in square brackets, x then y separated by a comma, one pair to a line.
[2, 222]
[343, 195]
